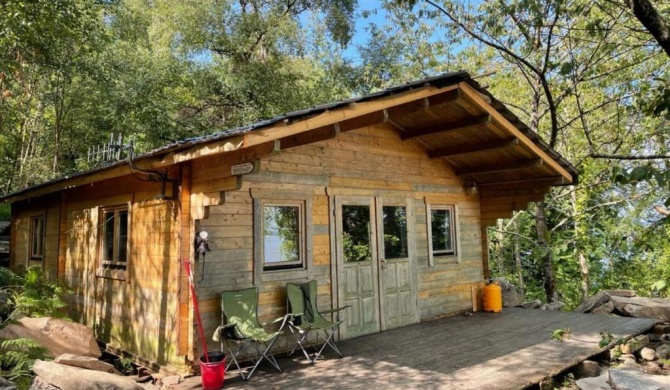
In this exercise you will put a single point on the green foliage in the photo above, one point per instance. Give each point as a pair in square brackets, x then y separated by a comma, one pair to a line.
[606, 339]
[35, 295]
[560, 334]
[17, 358]
[28, 293]
[5, 212]
[124, 365]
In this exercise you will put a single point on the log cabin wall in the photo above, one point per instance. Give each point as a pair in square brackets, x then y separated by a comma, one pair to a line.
[136, 310]
[46, 209]
[370, 161]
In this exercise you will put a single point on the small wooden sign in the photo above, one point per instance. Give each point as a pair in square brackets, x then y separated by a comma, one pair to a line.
[241, 169]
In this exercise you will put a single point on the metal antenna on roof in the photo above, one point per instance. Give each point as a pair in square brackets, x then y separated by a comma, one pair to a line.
[108, 152]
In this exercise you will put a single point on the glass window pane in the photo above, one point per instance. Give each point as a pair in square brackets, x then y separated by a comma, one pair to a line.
[37, 237]
[122, 243]
[440, 222]
[356, 233]
[108, 244]
[395, 232]
[281, 234]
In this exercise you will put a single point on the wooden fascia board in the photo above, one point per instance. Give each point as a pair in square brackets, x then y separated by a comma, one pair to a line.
[342, 114]
[451, 151]
[71, 183]
[196, 151]
[497, 168]
[460, 124]
[475, 97]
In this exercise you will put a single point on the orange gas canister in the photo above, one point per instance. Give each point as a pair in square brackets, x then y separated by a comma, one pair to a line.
[492, 298]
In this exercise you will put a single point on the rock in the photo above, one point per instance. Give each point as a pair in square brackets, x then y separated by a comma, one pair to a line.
[635, 344]
[170, 380]
[510, 296]
[628, 361]
[600, 298]
[657, 308]
[587, 369]
[56, 335]
[6, 385]
[661, 329]
[597, 383]
[552, 306]
[532, 304]
[41, 384]
[86, 362]
[638, 380]
[662, 351]
[647, 353]
[604, 309]
[74, 378]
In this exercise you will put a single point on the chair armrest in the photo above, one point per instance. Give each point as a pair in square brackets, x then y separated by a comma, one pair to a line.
[339, 309]
[336, 311]
[286, 318]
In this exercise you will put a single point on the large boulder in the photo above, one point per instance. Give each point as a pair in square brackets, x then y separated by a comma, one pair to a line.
[634, 379]
[56, 335]
[86, 362]
[73, 378]
[510, 296]
[596, 383]
[600, 298]
[658, 308]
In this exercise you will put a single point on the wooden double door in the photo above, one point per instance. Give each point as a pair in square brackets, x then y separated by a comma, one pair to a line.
[376, 264]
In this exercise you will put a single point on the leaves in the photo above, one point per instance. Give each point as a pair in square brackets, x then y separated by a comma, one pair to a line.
[561, 334]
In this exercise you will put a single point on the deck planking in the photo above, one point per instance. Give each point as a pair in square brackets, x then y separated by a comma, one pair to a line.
[508, 350]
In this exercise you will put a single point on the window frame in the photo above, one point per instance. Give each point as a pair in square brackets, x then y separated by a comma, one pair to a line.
[263, 197]
[443, 255]
[284, 265]
[42, 238]
[106, 268]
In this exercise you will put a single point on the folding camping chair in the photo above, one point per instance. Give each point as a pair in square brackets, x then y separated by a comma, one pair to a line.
[240, 328]
[301, 300]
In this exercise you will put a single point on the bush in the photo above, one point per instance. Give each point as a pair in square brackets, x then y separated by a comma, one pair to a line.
[26, 294]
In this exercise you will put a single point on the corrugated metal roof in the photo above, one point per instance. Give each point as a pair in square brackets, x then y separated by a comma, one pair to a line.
[439, 81]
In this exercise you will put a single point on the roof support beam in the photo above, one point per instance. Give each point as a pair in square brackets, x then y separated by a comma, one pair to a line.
[497, 168]
[472, 94]
[460, 124]
[452, 151]
[512, 184]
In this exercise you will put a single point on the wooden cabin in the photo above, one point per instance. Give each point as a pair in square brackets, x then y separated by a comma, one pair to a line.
[383, 199]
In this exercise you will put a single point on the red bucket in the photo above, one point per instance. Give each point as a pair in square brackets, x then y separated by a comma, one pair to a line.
[212, 373]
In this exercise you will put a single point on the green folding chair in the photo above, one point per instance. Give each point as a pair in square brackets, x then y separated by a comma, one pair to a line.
[240, 328]
[307, 319]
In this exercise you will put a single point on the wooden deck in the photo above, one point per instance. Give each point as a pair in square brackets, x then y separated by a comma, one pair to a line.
[509, 350]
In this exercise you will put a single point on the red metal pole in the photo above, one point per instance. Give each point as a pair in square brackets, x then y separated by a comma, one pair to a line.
[187, 265]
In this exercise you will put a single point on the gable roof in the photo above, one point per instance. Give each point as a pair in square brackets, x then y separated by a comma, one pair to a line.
[477, 112]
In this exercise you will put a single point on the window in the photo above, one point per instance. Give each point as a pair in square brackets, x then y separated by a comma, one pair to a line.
[37, 232]
[442, 231]
[114, 251]
[395, 232]
[283, 235]
[356, 233]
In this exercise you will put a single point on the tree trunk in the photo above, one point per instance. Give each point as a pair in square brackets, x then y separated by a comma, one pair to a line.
[653, 21]
[547, 254]
[517, 260]
[579, 244]
[500, 249]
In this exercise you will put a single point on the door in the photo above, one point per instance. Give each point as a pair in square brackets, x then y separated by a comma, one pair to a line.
[375, 264]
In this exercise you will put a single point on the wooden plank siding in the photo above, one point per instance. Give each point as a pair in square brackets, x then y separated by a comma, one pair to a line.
[139, 314]
[371, 161]
[22, 213]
